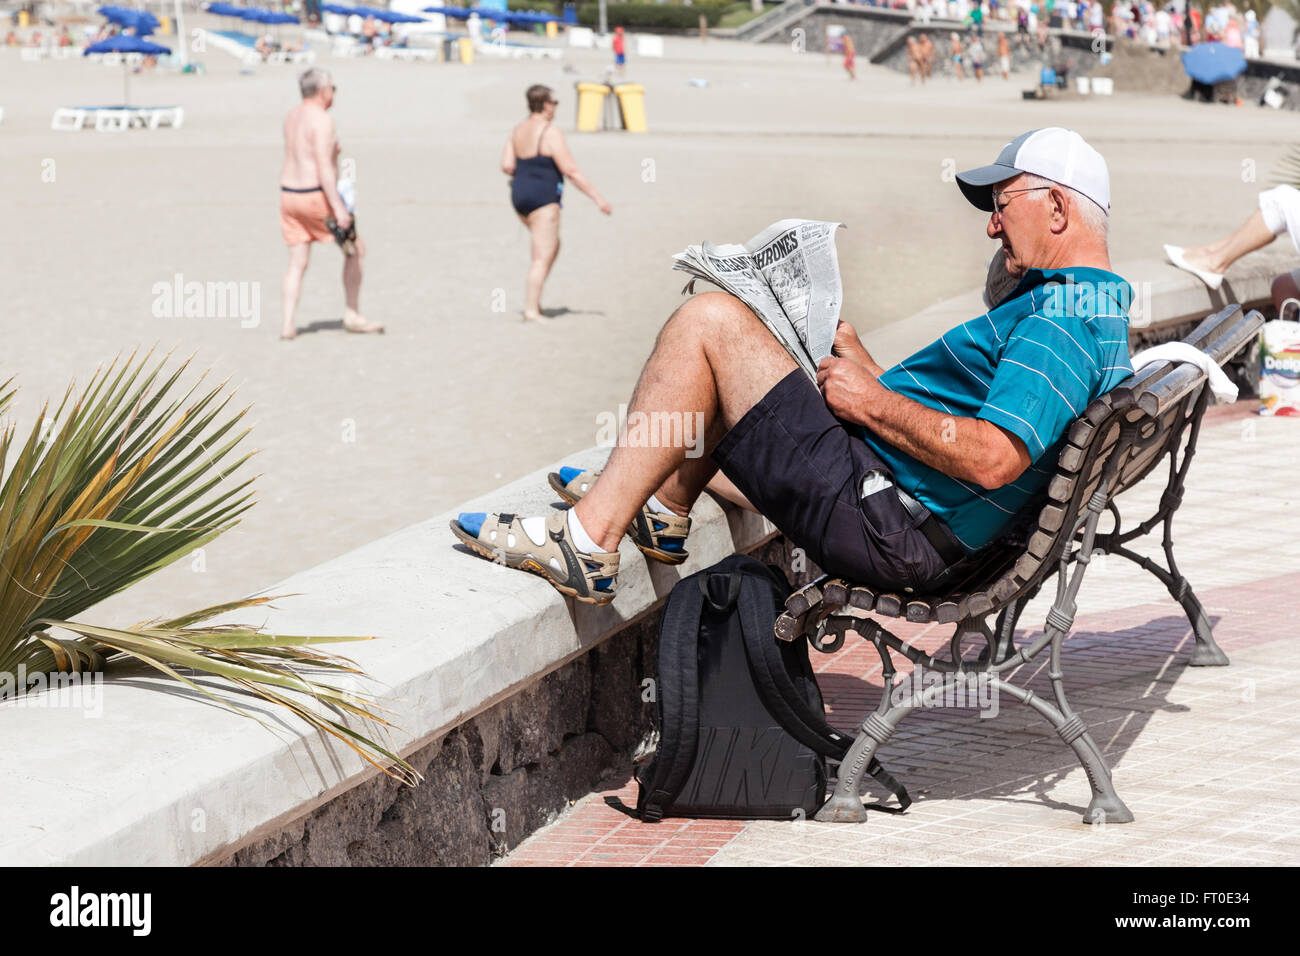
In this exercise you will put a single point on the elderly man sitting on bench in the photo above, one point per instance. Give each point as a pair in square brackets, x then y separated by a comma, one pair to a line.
[892, 476]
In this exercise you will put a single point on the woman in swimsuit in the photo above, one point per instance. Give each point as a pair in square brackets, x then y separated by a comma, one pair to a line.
[537, 159]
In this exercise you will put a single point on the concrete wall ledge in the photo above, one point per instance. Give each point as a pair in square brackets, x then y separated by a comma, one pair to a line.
[164, 777]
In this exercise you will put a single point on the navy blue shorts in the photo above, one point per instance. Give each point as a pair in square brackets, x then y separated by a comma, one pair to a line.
[801, 467]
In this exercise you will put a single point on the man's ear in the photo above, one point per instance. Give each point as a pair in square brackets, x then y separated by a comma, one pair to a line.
[1060, 215]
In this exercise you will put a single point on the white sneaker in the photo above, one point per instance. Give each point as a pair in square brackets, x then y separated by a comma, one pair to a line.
[1211, 279]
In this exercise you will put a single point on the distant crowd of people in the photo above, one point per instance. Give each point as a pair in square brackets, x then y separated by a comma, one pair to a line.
[60, 37]
[1157, 24]
[969, 53]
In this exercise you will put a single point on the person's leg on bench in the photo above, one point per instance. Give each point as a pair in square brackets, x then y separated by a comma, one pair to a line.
[712, 362]
[713, 356]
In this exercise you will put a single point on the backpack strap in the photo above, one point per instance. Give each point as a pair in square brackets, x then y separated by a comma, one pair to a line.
[783, 699]
[679, 706]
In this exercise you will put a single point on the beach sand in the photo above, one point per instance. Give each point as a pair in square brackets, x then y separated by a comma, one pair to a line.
[363, 435]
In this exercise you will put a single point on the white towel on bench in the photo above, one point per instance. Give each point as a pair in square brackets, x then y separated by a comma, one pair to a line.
[1220, 384]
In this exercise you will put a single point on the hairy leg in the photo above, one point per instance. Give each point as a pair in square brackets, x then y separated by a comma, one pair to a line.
[291, 286]
[1217, 256]
[713, 357]
[544, 226]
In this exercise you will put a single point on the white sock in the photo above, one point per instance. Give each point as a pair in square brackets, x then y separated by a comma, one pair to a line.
[654, 504]
[535, 528]
[581, 539]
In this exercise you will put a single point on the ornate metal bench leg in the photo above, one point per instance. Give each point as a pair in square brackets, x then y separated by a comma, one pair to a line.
[1004, 644]
[845, 804]
[1207, 653]
[1105, 804]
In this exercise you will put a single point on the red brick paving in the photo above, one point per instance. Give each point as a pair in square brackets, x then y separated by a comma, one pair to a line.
[933, 744]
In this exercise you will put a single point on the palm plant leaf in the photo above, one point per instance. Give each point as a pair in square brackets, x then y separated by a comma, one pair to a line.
[117, 483]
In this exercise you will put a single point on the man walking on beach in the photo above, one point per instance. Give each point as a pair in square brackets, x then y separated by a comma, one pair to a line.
[310, 201]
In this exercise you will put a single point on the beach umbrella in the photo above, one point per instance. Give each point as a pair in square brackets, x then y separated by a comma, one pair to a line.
[141, 21]
[1211, 63]
[124, 43]
[460, 13]
[223, 9]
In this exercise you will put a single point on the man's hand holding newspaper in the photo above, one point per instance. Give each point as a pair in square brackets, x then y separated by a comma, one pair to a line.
[789, 275]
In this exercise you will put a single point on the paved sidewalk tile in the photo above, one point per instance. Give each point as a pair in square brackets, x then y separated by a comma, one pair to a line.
[1206, 758]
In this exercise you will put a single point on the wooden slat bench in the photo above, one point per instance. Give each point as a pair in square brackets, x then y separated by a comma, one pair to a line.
[1121, 438]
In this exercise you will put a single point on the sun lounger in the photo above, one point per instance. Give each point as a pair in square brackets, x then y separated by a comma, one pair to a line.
[155, 116]
[347, 46]
[69, 118]
[110, 119]
[519, 51]
[407, 53]
[116, 119]
[238, 45]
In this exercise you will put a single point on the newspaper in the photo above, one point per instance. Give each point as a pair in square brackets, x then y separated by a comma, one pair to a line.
[789, 274]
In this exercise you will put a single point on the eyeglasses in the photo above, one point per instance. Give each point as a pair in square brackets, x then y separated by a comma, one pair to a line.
[998, 206]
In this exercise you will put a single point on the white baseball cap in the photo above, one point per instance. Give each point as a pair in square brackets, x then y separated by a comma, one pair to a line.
[1061, 155]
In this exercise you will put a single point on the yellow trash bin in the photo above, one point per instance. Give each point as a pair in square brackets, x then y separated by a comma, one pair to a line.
[591, 98]
[631, 100]
[552, 30]
[23, 18]
[466, 50]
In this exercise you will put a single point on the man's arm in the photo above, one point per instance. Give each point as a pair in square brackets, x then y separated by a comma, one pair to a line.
[323, 146]
[967, 448]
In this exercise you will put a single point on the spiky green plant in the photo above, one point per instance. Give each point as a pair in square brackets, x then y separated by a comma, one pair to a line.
[117, 483]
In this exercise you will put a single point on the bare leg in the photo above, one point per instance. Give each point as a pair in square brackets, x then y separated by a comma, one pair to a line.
[724, 488]
[291, 287]
[353, 321]
[713, 356]
[1217, 256]
[544, 225]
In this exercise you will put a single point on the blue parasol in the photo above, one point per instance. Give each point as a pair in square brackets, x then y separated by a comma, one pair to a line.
[125, 43]
[1212, 63]
[141, 21]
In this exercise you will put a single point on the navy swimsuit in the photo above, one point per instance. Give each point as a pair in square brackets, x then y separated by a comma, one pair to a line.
[537, 182]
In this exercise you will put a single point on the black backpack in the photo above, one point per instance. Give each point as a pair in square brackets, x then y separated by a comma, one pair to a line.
[742, 725]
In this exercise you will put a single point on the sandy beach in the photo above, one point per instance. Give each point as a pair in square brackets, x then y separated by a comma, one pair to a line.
[361, 435]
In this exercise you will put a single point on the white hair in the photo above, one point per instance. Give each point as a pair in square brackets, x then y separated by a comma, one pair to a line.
[312, 81]
[1095, 219]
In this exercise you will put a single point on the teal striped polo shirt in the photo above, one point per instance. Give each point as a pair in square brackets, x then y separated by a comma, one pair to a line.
[1031, 366]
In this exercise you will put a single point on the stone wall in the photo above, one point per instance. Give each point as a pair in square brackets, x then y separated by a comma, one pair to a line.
[500, 776]
[871, 29]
